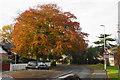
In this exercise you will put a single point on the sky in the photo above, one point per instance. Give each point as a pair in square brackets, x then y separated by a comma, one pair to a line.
[90, 14]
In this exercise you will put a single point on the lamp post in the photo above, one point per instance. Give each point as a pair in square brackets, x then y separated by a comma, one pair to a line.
[105, 61]
[104, 35]
[119, 49]
[119, 38]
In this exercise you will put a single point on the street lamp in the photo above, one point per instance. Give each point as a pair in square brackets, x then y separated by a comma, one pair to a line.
[104, 50]
[104, 35]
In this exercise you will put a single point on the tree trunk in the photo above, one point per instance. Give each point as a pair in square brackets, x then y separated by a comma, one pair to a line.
[38, 57]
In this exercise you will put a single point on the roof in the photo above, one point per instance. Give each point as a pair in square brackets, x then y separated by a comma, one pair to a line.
[113, 50]
[1, 50]
[7, 45]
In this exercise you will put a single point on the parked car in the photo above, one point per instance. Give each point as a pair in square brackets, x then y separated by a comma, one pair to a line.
[32, 65]
[42, 65]
[36, 65]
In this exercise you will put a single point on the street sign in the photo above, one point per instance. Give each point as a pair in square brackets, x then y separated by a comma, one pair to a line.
[106, 56]
[106, 52]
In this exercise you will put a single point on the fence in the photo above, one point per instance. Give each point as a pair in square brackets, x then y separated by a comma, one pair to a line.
[48, 64]
[14, 67]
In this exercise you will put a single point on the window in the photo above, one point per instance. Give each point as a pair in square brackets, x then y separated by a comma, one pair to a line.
[112, 61]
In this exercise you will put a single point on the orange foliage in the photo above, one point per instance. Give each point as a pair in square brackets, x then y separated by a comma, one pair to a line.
[119, 53]
[47, 28]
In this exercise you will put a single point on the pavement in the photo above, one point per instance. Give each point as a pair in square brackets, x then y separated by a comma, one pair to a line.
[98, 73]
[0, 75]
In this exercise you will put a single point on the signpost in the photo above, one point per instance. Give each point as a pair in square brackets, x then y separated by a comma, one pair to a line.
[105, 55]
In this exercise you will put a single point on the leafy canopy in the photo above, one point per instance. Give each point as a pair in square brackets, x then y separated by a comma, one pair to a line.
[7, 32]
[47, 30]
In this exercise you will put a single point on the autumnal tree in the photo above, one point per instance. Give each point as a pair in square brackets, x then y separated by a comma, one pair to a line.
[47, 30]
[7, 32]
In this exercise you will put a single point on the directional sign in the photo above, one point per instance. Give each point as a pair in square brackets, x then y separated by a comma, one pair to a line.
[106, 52]
[106, 56]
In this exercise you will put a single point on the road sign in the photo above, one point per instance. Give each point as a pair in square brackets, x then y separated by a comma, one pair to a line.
[106, 52]
[106, 56]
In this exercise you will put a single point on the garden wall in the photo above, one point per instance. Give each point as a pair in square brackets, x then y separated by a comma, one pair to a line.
[5, 66]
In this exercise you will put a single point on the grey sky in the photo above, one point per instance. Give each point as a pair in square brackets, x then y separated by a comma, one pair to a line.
[90, 13]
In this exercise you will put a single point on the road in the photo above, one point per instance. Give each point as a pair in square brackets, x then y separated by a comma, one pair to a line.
[82, 72]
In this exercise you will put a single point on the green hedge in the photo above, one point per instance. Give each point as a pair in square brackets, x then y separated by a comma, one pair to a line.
[53, 63]
[8, 61]
[45, 61]
[26, 60]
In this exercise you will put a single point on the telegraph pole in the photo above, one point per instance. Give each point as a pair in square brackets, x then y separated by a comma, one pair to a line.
[119, 49]
[119, 37]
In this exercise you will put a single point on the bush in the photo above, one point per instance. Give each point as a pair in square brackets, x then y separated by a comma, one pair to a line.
[8, 61]
[101, 61]
[53, 63]
[45, 61]
[59, 61]
[26, 60]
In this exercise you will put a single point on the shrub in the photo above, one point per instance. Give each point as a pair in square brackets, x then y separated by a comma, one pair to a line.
[45, 61]
[101, 61]
[53, 63]
[8, 61]
[59, 61]
[26, 60]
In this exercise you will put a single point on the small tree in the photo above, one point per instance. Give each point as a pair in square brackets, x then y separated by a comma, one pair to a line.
[100, 43]
[91, 55]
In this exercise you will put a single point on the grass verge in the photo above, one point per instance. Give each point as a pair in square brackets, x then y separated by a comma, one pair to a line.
[112, 70]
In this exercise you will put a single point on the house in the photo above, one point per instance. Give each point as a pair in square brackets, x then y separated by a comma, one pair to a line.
[113, 56]
[3, 54]
[5, 50]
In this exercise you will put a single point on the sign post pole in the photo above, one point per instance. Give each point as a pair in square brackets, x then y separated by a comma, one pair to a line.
[106, 55]
[104, 51]
[106, 68]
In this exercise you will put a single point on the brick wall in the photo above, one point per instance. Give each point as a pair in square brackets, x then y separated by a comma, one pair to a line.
[4, 66]
[3, 56]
